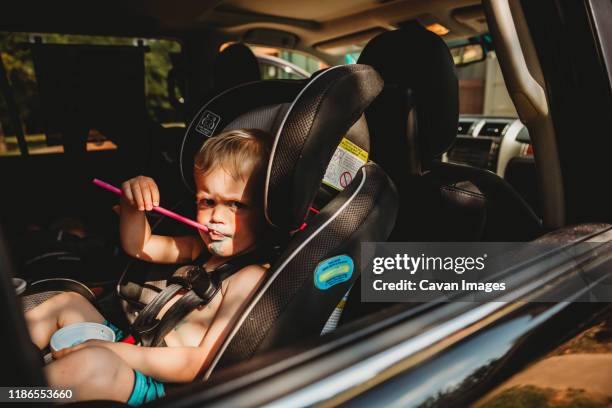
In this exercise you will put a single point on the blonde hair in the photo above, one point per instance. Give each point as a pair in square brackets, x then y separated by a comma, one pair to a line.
[242, 153]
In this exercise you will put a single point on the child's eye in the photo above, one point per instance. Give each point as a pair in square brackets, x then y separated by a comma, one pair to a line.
[238, 205]
[206, 203]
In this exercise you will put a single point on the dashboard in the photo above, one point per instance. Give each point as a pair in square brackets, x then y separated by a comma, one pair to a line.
[489, 142]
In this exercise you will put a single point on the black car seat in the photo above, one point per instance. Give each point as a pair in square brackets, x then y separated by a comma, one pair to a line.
[412, 123]
[310, 120]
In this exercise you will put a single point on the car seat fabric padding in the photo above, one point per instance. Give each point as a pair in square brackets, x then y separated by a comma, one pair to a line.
[266, 118]
[39, 291]
[224, 108]
[364, 211]
[31, 301]
[312, 129]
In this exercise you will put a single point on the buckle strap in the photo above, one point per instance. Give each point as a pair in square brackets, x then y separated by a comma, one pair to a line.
[198, 280]
[185, 305]
[201, 286]
[148, 313]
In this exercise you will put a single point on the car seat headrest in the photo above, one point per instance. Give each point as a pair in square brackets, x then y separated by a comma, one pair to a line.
[260, 105]
[235, 65]
[419, 74]
[308, 119]
[318, 119]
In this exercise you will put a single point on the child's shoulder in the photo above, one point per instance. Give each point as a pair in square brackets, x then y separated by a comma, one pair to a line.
[247, 278]
[252, 271]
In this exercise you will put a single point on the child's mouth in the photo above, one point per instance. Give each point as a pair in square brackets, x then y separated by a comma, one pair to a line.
[215, 234]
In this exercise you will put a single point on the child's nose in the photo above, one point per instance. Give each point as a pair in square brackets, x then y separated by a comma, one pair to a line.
[218, 214]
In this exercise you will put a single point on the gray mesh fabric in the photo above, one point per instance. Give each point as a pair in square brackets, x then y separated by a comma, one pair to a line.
[294, 133]
[31, 301]
[314, 125]
[264, 118]
[230, 105]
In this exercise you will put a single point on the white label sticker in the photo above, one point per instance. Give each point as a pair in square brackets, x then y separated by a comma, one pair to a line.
[346, 161]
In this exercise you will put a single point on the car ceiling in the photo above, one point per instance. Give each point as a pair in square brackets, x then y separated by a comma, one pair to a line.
[312, 22]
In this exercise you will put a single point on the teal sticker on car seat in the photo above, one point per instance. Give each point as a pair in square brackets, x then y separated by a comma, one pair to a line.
[333, 271]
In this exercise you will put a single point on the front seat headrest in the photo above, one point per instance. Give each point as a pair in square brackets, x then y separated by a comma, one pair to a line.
[418, 64]
[235, 65]
[308, 119]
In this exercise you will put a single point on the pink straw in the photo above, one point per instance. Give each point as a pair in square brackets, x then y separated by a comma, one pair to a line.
[160, 210]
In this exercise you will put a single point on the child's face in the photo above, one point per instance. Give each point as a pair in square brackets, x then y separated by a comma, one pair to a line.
[226, 206]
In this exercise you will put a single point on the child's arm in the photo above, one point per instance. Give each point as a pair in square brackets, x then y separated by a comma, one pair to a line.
[139, 194]
[240, 289]
[168, 364]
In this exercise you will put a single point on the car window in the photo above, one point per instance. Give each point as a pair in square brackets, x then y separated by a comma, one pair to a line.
[482, 89]
[277, 63]
[16, 50]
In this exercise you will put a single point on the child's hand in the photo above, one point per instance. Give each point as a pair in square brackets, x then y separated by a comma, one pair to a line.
[141, 192]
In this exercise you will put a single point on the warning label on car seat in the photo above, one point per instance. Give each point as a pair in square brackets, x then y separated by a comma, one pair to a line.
[344, 164]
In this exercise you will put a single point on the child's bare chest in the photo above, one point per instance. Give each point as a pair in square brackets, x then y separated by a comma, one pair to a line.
[190, 331]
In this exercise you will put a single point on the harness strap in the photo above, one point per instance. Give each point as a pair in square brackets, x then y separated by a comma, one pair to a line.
[201, 286]
[177, 312]
[151, 310]
[184, 277]
[232, 266]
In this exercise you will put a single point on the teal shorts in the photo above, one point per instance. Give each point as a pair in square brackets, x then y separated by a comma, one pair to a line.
[145, 388]
[119, 335]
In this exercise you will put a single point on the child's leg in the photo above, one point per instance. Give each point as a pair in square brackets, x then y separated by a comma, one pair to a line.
[59, 311]
[92, 373]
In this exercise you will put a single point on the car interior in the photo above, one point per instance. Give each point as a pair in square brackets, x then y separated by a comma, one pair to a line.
[437, 150]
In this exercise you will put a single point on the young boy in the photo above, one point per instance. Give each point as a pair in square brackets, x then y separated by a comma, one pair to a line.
[229, 175]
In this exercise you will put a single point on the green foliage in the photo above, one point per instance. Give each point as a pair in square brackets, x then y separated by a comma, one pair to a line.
[20, 71]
